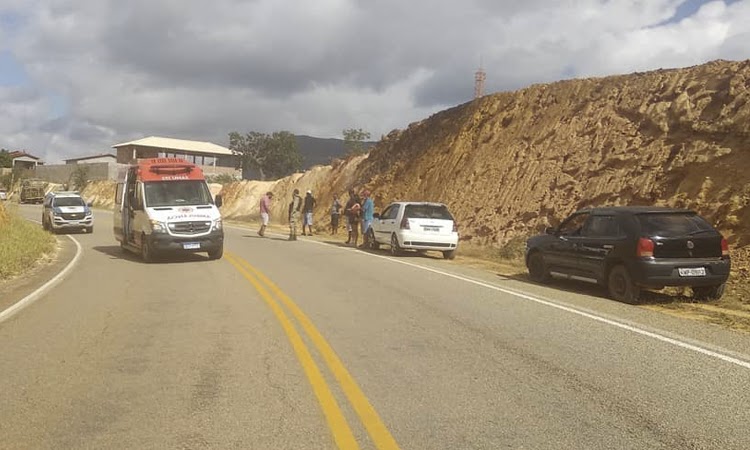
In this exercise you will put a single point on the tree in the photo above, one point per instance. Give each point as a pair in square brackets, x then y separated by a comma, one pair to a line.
[354, 140]
[79, 179]
[5, 159]
[272, 156]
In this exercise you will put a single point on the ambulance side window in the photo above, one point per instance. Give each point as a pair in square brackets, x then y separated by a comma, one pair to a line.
[118, 194]
[138, 200]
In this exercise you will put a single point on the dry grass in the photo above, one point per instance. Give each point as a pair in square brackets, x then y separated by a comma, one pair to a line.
[22, 244]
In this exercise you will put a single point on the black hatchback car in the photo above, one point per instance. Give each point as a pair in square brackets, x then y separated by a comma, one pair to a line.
[628, 249]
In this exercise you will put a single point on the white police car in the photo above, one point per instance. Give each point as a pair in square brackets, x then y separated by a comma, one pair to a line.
[66, 210]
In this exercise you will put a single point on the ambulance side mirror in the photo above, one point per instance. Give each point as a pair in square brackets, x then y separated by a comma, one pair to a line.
[218, 201]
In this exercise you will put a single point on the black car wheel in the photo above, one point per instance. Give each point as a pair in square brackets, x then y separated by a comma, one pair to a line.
[708, 292]
[395, 248]
[538, 271]
[621, 286]
[374, 245]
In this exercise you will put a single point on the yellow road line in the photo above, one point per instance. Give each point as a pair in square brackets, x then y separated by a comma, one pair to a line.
[342, 433]
[370, 419]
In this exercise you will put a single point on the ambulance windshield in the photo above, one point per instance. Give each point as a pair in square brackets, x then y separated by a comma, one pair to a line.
[177, 193]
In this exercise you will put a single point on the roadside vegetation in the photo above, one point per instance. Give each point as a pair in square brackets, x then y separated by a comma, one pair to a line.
[222, 178]
[22, 243]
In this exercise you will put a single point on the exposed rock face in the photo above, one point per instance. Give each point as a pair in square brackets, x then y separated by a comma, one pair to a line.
[511, 163]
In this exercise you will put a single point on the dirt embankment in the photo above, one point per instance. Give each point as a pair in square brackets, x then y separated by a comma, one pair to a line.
[510, 164]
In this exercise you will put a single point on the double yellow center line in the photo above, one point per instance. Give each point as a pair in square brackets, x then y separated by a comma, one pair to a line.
[342, 433]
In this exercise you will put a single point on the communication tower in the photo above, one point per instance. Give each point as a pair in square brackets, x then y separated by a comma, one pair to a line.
[479, 78]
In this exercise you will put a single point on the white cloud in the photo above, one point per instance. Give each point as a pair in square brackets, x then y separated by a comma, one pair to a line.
[199, 69]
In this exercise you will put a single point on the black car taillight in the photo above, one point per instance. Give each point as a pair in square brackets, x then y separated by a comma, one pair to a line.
[724, 247]
[405, 223]
[645, 248]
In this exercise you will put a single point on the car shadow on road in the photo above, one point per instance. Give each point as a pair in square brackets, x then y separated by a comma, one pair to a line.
[270, 238]
[115, 252]
[579, 287]
[338, 244]
[385, 251]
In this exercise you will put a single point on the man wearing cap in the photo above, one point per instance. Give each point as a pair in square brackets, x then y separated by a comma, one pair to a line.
[368, 209]
[265, 208]
[307, 211]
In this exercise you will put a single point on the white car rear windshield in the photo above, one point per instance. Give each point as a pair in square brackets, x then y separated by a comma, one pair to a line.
[427, 212]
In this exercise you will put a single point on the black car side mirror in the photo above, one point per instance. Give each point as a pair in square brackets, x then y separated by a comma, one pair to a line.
[550, 230]
[376, 215]
[218, 201]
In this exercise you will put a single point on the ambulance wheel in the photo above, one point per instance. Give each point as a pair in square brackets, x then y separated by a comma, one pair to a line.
[147, 253]
[216, 254]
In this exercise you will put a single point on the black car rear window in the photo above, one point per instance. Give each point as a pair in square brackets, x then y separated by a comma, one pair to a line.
[427, 212]
[672, 224]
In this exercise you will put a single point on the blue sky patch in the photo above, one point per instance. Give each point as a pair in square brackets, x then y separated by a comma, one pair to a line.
[12, 72]
[688, 8]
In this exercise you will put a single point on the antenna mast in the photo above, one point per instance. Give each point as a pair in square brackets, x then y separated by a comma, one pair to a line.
[479, 78]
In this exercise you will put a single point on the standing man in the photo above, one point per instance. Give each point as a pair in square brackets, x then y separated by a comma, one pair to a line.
[265, 208]
[352, 215]
[294, 211]
[308, 211]
[335, 213]
[368, 209]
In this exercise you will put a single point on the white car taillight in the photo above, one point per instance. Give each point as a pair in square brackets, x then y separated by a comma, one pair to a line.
[405, 223]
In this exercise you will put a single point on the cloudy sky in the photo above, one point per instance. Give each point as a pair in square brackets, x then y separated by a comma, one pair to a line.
[78, 76]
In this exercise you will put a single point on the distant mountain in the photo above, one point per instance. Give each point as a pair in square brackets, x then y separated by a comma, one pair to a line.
[320, 151]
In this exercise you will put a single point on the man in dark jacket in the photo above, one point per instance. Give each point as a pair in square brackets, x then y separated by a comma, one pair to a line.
[352, 211]
[307, 212]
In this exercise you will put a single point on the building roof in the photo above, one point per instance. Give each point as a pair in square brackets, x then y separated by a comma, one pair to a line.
[178, 144]
[20, 154]
[83, 158]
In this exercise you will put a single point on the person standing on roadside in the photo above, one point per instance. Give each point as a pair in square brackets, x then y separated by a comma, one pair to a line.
[265, 210]
[368, 209]
[352, 214]
[294, 212]
[308, 212]
[335, 213]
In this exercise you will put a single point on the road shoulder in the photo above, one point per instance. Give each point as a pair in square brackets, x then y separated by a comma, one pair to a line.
[15, 290]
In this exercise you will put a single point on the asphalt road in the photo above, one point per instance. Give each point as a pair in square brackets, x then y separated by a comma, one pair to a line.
[302, 345]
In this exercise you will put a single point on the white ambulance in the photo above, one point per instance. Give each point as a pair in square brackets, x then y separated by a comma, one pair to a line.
[163, 205]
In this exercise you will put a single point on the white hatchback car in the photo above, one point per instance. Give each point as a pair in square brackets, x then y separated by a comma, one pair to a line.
[415, 226]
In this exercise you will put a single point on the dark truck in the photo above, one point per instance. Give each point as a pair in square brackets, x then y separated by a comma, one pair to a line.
[32, 191]
[627, 249]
